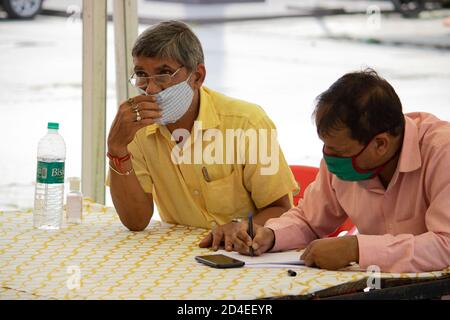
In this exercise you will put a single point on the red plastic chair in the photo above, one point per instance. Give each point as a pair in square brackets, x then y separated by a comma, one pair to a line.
[304, 175]
[346, 229]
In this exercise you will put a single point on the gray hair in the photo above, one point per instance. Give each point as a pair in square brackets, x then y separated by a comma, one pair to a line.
[172, 40]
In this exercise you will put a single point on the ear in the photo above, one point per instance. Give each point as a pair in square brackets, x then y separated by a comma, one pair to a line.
[198, 76]
[382, 143]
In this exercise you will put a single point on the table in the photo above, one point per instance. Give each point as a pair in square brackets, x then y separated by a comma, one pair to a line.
[101, 259]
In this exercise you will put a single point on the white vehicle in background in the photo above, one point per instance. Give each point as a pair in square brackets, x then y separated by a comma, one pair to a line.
[21, 9]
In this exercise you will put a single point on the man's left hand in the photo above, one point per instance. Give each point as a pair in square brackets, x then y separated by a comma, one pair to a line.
[224, 233]
[332, 253]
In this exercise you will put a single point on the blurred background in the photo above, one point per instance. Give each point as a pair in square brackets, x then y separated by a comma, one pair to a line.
[279, 54]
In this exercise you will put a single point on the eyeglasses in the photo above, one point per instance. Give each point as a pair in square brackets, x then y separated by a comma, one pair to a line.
[159, 79]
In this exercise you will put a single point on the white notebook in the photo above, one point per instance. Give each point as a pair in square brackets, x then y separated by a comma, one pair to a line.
[268, 260]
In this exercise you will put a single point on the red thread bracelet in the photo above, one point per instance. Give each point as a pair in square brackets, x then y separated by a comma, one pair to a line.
[118, 161]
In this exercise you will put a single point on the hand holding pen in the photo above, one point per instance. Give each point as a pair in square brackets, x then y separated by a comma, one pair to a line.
[253, 239]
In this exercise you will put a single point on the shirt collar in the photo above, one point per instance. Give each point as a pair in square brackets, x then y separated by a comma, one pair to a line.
[207, 114]
[410, 157]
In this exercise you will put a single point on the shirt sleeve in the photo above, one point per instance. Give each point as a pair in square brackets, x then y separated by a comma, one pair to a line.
[140, 165]
[267, 175]
[429, 251]
[316, 215]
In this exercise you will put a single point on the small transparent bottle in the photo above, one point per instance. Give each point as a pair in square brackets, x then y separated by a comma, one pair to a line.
[74, 203]
[49, 192]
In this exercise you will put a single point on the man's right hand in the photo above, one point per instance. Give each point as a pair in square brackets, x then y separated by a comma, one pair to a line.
[125, 126]
[263, 240]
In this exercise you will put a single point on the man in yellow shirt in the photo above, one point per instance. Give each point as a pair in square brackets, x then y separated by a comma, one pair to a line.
[204, 158]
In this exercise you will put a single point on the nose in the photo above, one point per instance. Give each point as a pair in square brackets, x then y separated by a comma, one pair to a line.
[152, 88]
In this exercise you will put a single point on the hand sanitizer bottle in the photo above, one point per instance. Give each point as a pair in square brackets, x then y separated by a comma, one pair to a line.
[74, 206]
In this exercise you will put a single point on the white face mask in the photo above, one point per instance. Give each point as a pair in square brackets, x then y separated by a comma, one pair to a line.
[173, 101]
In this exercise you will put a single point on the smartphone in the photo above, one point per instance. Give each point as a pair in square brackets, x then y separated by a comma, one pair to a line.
[220, 261]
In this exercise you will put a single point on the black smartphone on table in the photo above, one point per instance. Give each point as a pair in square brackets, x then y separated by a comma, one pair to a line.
[219, 261]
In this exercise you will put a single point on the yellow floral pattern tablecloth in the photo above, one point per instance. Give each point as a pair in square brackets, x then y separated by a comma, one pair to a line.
[101, 259]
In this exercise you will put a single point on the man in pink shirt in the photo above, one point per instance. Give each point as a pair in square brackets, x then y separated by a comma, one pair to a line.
[388, 171]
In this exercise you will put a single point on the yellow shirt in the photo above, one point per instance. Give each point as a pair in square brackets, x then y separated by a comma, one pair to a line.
[202, 194]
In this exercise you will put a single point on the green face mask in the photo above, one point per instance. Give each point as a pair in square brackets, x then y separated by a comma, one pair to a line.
[346, 168]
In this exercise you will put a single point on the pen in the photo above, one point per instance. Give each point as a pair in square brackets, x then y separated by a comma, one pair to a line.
[250, 230]
[205, 174]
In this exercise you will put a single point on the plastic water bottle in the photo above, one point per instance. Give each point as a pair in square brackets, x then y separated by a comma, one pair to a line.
[49, 193]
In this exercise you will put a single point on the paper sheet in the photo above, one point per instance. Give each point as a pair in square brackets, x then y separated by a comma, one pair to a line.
[268, 260]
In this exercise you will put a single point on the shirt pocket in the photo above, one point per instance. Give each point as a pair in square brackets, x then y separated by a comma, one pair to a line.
[227, 195]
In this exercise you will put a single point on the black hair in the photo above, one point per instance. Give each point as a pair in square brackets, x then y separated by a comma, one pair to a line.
[362, 102]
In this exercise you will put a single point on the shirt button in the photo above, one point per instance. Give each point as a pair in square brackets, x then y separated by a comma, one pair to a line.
[196, 193]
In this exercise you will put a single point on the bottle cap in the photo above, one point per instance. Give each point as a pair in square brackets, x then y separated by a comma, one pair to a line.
[53, 125]
[74, 183]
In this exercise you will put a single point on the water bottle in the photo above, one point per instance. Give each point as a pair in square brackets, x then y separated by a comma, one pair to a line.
[49, 193]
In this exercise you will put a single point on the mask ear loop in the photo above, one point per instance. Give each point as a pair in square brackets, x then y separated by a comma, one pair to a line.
[376, 171]
[355, 165]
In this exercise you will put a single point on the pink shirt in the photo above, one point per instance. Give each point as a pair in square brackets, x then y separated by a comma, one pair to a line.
[404, 228]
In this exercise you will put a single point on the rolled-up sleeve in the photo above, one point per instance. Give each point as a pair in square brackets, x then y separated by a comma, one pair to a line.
[140, 166]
